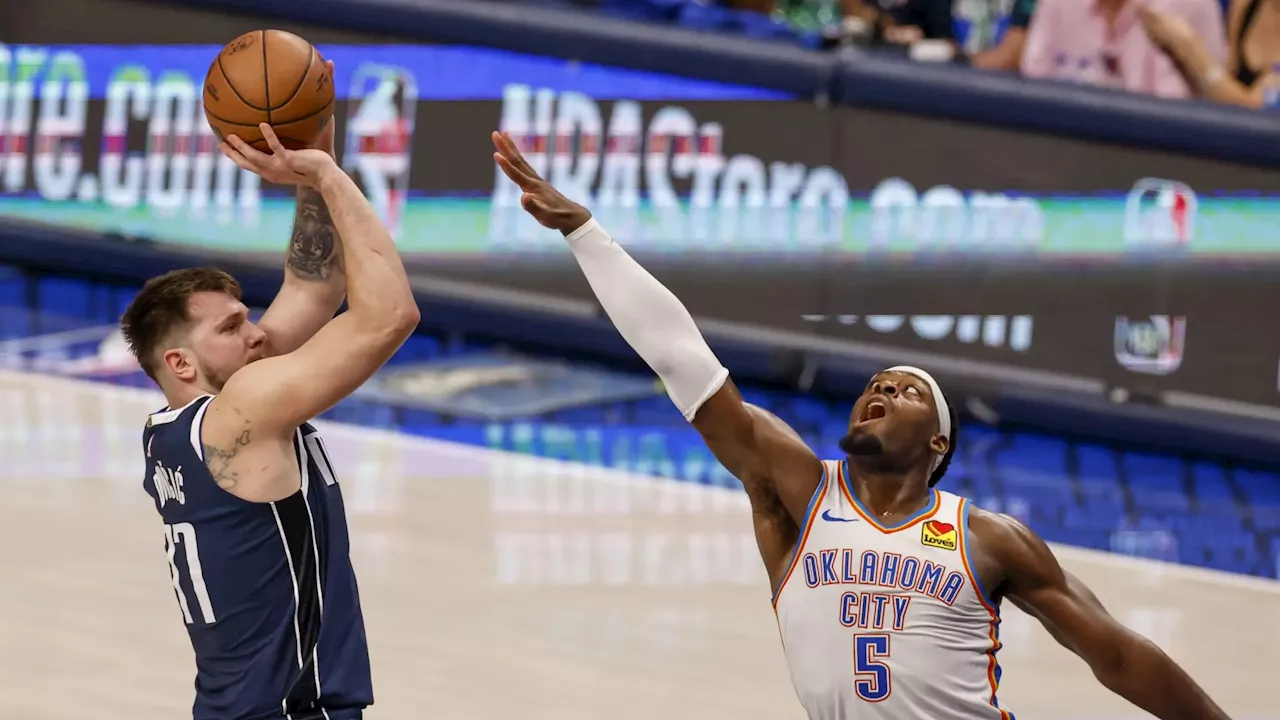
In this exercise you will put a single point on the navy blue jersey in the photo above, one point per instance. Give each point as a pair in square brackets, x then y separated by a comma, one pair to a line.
[267, 590]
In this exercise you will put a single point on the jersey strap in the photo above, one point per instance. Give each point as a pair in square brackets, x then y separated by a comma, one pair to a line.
[165, 417]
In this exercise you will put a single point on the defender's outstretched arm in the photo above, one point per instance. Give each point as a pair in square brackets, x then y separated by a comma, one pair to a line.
[779, 471]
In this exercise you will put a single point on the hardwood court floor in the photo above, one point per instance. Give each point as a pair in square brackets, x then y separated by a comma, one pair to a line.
[498, 586]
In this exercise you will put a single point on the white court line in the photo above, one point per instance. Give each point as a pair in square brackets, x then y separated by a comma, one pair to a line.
[482, 454]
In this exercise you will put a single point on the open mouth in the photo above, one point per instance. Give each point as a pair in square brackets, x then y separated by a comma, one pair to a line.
[874, 410]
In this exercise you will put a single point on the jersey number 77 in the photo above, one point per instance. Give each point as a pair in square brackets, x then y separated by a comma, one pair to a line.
[184, 535]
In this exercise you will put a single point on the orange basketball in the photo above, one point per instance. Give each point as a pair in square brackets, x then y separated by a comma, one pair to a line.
[269, 76]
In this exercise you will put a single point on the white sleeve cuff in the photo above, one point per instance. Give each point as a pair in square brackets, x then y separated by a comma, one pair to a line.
[586, 228]
[717, 382]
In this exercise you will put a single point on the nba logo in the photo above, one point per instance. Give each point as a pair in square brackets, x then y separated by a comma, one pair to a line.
[379, 141]
[1154, 346]
[1160, 214]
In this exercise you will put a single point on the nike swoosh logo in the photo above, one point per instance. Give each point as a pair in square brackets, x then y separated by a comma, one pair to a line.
[826, 515]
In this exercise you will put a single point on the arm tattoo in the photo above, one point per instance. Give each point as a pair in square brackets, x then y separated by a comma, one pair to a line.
[314, 249]
[219, 461]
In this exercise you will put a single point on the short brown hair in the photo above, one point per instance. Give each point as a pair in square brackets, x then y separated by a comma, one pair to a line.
[163, 304]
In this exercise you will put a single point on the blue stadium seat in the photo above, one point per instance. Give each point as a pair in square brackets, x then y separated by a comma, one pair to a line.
[101, 303]
[358, 412]
[1260, 488]
[418, 348]
[1082, 517]
[63, 299]
[814, 411]
[1153, 470]
[1097, 463]
[1234, 552]
[1101, 495]
[120, 299]
[11, 278]
[976, 435]
[827, 443]
[1036, 453]
[1149, 473]
[419, 419]
[1092, 539]
[590, 415]
[655, 411]
[1209, 484]
[15, 322]
[1055, 533]
[1266, 518]
[768, 401]
[977, 470]
[810, 416]
[1262, 491]
[1032, 471]
[1038, 490]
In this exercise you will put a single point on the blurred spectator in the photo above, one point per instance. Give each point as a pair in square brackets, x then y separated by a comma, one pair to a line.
[1003, 51]
[1252, 62]
[805, 16]
[905, 21]
[1105, 43]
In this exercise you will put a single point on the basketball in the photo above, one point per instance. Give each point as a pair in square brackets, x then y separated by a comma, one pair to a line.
[269, 76]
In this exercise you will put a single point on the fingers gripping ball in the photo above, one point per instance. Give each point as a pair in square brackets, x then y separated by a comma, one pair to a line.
[273, 77]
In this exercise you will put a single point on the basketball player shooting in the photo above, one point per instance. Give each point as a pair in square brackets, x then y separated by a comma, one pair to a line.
[887, 590]
[254, 524]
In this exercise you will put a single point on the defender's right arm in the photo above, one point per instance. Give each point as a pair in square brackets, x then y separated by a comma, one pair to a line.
[779, 472]
[270, 398]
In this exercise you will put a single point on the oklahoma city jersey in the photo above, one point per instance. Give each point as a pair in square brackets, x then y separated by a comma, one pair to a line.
[887, 623]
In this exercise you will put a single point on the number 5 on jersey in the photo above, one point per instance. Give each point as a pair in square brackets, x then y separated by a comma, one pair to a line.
[185, 534]
[871, 676]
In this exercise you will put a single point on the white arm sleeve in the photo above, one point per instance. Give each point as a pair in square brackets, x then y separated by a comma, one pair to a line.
[650, 318]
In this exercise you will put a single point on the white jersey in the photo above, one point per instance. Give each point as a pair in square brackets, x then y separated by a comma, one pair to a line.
[887, 623]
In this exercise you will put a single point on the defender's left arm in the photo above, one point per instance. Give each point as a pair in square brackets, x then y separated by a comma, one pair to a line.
[1125, 662]
[314, 282]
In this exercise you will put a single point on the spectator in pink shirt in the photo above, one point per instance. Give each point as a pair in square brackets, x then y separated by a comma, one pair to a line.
[1103, 42]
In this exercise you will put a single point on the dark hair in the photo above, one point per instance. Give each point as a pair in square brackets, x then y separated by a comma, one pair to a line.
[951, 449]
[163, 305]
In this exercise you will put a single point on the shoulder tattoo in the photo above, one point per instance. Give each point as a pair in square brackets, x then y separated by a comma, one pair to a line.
[219, 460]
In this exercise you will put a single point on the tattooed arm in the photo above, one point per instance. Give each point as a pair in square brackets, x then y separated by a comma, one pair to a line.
[314, 281]
[249, 427]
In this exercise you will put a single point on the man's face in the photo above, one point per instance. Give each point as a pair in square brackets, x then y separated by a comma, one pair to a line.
[896, 421]
[220, 339]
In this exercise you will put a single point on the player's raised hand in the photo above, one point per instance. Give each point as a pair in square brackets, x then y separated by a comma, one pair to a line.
[540, 199]
[282, 166]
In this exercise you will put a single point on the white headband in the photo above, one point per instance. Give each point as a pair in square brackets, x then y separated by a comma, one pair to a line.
[939, 400]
